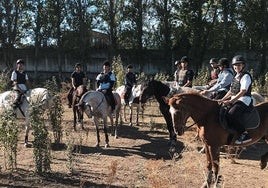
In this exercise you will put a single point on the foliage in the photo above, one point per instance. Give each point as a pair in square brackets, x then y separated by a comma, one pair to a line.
[202, 77]
[69, 150]
[9, 138]
[5, 82]
[118, 69]
[41, 143]
[260, 84]
[161, 77]
[56, 111]
[141, 78]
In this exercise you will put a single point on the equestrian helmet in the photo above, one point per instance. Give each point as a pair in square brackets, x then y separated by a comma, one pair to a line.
[20, 61]
[129, 66]
[238, 59]
[106, 63]
[224, 62]
[212, 61]
[184, 59]
[77, 65]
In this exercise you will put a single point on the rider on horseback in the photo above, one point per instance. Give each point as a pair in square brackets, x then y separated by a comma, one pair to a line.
[240, 101]
[78, 78]
[224, 80]
[130, 81]
[105, 82]
[20, 79]
[183, 76]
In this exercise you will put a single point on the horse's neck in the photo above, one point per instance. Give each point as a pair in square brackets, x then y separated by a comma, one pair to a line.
[198, 106]
[160, 90]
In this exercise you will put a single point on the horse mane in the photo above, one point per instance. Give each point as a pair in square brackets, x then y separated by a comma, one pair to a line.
[194, 93]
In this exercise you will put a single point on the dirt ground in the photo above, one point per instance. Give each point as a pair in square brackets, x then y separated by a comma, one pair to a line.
[138, 158]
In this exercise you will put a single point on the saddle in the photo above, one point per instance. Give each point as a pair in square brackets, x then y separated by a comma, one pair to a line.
[250, 119]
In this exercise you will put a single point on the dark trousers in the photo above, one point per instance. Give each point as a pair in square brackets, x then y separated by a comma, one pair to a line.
[235, 114]
[70, 96]
[110, 98]
[127, 94]
[18, 98]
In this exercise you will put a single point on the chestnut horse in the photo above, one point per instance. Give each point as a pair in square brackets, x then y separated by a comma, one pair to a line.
[205, 114]
[76, 96]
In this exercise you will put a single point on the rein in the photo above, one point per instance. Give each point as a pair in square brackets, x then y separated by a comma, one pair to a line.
[188, 127]
[96, 107]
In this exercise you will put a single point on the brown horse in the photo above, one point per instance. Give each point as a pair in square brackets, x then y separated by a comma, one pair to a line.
[205, 114]
[77, 114]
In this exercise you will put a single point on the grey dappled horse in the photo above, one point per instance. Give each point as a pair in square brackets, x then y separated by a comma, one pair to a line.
[134, 102]
[95, 105]
[36, 96]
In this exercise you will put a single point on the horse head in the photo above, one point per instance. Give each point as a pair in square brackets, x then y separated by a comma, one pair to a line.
[178, 114]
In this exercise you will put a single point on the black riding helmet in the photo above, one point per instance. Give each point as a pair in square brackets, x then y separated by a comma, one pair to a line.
[238, 59]
[213, 60]
[77, 65]
[20, 61]
[224, 62]
[130, 67]
[106, 63]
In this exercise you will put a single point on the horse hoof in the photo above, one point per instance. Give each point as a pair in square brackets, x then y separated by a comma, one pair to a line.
[130, 124]
[97, 145]
[107, 146]
[263, 163]
[26, 145]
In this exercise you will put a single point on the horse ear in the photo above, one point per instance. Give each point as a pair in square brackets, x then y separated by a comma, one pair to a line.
[165, 99]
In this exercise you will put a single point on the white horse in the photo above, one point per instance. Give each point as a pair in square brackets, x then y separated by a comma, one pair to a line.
[134, 102]
[95, 105]
[36, 96]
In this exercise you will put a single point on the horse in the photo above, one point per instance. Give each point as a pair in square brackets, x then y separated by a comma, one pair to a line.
[95, 106]
[76, 96]
[159, 89]
[205, 114]
[134, 102]
[38, 96]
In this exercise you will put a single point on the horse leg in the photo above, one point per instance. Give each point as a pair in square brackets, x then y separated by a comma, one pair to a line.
[96, 122]
[172, 134]
[105, 132]
[130, 114]
[80, 118]
[209, 175]
[263, 162]
[26, 135]
[124, 113]
[137, 115]
[74, 122]
[116, 122]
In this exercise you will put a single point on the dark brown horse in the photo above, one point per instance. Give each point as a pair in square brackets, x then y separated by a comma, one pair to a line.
[205, 114]
[77, 114]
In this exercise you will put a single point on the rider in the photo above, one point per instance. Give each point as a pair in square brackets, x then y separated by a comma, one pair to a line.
[213, 75]
[184, 76]
[78, 78]
[105, 82]
[20, 79]
[224, 80]
[130, 81]
[240, 101]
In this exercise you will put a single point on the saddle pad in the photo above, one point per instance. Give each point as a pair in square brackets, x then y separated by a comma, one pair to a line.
[251, 120]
